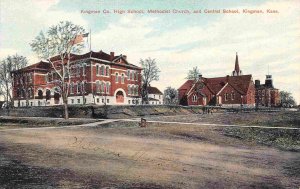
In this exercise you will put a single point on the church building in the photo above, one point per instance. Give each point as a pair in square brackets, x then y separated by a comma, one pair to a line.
[235, 90]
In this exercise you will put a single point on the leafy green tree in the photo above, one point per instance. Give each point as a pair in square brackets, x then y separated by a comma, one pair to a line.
[286, 98]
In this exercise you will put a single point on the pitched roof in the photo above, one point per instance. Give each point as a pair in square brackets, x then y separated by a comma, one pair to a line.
[97, 55]
[239, 83]
[42, 65]
[154, 90]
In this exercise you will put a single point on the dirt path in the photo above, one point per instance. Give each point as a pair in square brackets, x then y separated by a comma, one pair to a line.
[123, 155]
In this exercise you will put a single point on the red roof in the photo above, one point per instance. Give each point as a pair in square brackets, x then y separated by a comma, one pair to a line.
[37, 66]
[154, 90]
[239, 83]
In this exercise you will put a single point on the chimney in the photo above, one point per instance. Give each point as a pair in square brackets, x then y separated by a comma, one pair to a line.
[257, 82]
[112, 56]
[227, 78]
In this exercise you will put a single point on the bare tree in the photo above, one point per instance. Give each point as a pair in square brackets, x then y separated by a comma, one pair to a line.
[171, 96]
[193, 74]
[150, 73]
[60, 40]
[8, 65]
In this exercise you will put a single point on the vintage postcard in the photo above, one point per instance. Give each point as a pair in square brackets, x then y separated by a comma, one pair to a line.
[149, 94]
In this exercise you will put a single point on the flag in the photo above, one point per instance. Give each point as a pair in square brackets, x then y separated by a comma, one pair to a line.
[79, 38]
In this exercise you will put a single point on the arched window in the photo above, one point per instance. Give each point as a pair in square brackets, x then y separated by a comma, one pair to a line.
[40, 94]
[97, 69]
[18, 92]
[48, 94]
[117, 78]
[29, 92]
[83, 86]
[84, 69]
[129, 90]
[102, 70]
[107, 71]
[71, 88]
[137, 90]
[78, 87]
[98, 86]
[107, 88]
[78, 70]
[103, 87]
[128, 74]
[122, 78]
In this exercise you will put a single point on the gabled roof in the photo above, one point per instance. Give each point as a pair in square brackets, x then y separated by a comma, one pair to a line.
[215, 85]
[101, 56]
[154, 90]
[42, 65]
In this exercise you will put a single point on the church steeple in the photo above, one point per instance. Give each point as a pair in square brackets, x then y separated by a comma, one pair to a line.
[237, 71]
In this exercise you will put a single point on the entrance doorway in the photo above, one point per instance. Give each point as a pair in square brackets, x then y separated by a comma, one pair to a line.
[120, 97]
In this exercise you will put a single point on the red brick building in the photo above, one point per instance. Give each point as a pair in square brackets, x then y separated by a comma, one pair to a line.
[232, 90]
[96, 78]
[265, 94]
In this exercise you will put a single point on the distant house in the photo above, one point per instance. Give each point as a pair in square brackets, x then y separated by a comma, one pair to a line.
[266, 94]
[155, 96]
[235, 90]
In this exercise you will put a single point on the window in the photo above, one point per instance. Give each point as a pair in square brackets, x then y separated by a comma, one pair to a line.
[31, 103]
[78, 100]
[47, 78]
[71, 88]
[129, 90]
[232, 95]
[83, 87]
[72, 101]
[98, 100]
[122, 78]
[117, 78]
[132, 75]
[107, 71]
[194, 98]
[98, 86]
[102, 70]
[154, 96]
[97, 70]
[102, 87]
[84, 69]
[102, 100]
[226, 96]
[107, 100]
[128, 101]
[107, 88]
[137, 90]
[78, 70]
[78, 87]
[128, 74]
[136, 76]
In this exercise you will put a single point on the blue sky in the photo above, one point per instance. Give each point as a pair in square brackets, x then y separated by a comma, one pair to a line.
[177, 41]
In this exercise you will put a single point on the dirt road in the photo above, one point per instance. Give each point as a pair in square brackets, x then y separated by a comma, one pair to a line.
[123, 155]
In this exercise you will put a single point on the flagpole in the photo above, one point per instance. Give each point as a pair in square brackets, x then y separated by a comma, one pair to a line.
[90, 39]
